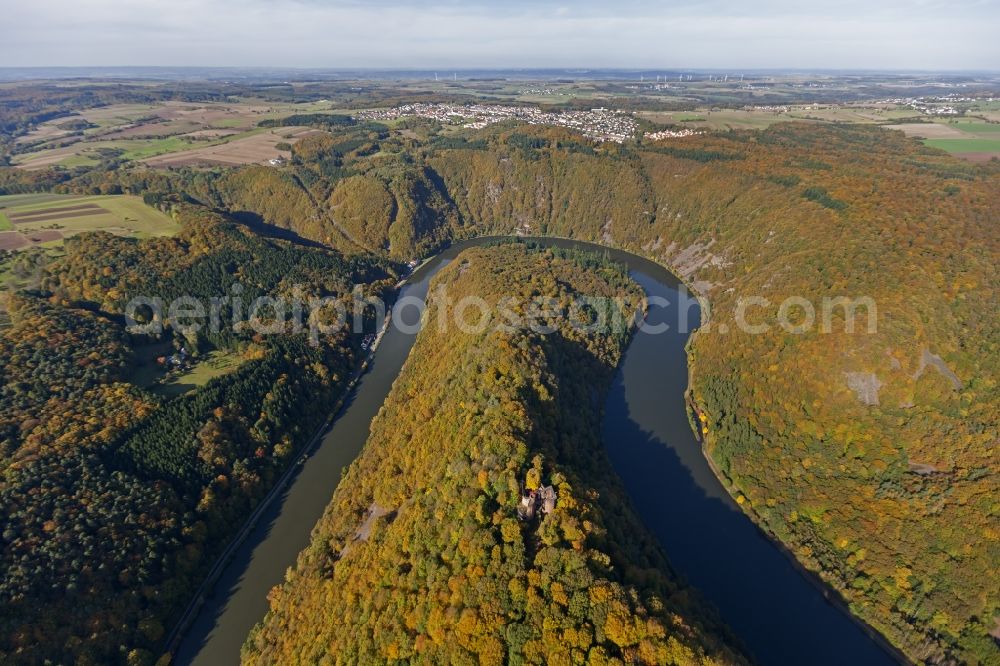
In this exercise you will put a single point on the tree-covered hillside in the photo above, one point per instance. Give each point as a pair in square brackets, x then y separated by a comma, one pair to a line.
[115, 497]
[421, 554]
[891, 495]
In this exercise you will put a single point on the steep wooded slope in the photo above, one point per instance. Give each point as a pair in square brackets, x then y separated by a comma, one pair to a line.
[115, 498]
[871, 455]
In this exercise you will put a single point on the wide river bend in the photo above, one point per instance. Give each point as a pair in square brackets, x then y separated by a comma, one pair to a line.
[781, 615]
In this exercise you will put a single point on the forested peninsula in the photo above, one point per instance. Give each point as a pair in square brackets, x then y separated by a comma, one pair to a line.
[426, 552]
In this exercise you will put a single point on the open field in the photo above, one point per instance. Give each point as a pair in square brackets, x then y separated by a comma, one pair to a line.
[975, 141]
[222, 147]
[28, 200]
[139, 131]
[716, 120]
[966, 145]
[928, 130]
[977, 127]
[12, 240]
[989, 110]
[256, 148]
[761, 117]
[35, 219]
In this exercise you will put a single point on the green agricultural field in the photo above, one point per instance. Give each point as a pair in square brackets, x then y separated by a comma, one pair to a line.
[87, 153]
[137, 149]
[971, 145]
[973, 127]
[27, 200]
[47, 219]
[718, 120]
[230, 123]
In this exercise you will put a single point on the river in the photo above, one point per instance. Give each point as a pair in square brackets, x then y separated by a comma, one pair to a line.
[781, 616]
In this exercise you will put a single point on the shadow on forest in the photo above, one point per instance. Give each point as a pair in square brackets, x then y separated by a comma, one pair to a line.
[257, 224]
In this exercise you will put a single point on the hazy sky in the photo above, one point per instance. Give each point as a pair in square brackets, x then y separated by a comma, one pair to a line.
[872, 34]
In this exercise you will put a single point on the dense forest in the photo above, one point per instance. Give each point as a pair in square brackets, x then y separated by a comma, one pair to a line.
[422, 555]
[871, 455]
[116, 498]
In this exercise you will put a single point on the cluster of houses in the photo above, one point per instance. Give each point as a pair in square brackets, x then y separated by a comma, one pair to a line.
[599, 124]
[543, 499]
[766, 108]
[936, 105]
[542, 91]
[671, 134]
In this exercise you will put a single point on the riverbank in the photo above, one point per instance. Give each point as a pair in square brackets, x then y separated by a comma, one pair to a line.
[299, 457]
[238, 599]
[830, 594]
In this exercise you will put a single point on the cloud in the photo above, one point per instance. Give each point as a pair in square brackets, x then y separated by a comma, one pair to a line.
[921, 34]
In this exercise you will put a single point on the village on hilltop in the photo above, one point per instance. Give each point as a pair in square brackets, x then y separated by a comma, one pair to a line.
[599, 124]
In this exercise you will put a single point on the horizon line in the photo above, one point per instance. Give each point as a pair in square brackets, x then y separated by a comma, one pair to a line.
[580, 69]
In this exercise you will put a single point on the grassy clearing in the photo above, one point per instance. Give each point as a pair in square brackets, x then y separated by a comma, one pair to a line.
[214, 364]
[150, 375]
[5, 224]
[15, 268]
